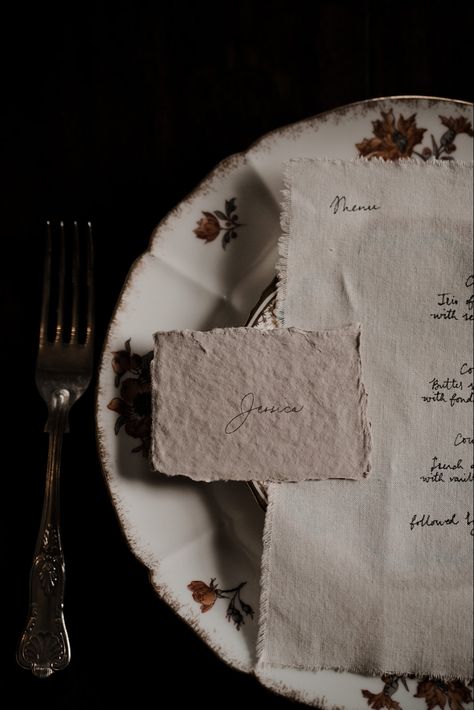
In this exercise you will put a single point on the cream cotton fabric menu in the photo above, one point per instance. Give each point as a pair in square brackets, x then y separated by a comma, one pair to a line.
[376, 576]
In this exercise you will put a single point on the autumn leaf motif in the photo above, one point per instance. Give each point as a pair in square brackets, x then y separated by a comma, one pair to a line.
[446, 144]
[380, 700]
[384, 699]
[133, 403]
[457, 125]
[437, 693]
[398, 138]
[392, 139]
[211, 224]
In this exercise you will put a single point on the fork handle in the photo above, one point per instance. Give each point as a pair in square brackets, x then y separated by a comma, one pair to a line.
[44, 645]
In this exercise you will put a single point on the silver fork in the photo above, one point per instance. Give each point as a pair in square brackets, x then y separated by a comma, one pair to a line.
[63, 372]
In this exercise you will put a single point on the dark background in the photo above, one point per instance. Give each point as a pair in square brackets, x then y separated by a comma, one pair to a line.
[113, 113]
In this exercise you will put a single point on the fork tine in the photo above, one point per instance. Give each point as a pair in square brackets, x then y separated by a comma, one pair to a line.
[43, 336]
[75, 285]
[62, 268]
[90, 285]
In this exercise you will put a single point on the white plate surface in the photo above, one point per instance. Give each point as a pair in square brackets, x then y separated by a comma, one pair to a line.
[189, 532]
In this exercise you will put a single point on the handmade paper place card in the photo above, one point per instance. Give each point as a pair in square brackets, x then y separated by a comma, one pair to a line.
[247, 404]
[384, 569]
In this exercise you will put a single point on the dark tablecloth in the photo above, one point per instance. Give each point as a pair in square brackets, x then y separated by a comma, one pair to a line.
[113, 112]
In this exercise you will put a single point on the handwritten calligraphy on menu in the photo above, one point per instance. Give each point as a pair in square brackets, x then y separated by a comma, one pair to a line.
[456, 307]
[451, 390]
[457, 469]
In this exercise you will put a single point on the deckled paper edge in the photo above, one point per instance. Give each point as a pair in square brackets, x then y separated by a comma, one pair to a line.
[286, 208]
[362, 403]
[154, 394]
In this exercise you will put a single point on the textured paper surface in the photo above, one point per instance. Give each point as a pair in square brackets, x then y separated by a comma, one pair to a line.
[377, 578]
[245, 404]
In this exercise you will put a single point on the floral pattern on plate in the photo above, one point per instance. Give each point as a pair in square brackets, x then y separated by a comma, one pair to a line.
[157, 515]
[213, 223]
[436, 693]
[133, 406]
[393, 139]
[207, 594]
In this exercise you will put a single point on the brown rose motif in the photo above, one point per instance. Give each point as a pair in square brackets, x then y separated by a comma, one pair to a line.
[207, 594]
[208, 227]
[212, 224]
[204, 594]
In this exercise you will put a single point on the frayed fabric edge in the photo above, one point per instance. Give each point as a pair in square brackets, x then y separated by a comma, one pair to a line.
[265, 572]
[390, 164]
[283, 245]
[373, 672]
[263, 664]
[364, 415]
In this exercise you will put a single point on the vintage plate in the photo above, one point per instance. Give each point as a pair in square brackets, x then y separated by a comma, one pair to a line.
[189, 532]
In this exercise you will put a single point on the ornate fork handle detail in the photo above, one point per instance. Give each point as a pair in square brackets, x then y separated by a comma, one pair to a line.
[44, 645]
